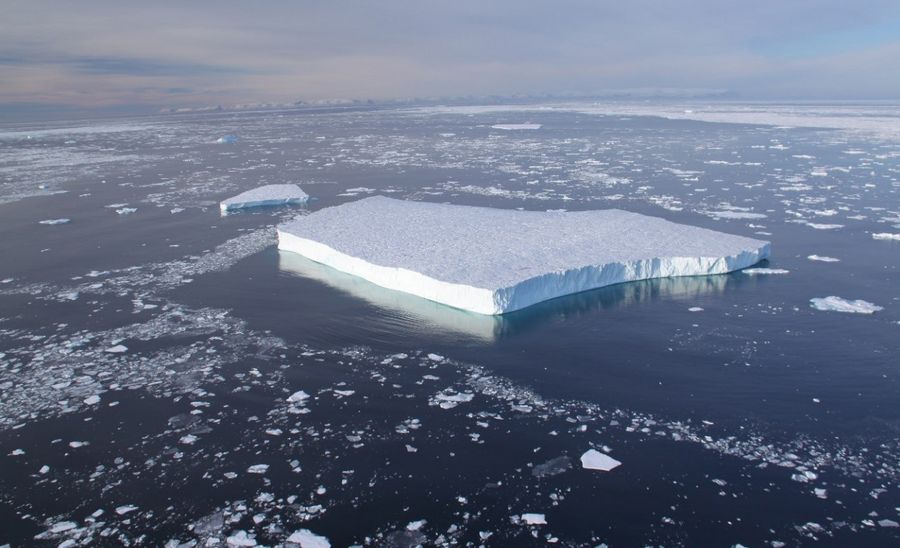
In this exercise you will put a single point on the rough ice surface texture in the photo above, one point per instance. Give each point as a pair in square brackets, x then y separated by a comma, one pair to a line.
[268, 195]
[493, 261]
[839, 304]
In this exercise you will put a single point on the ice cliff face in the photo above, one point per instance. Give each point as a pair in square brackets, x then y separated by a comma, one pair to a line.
[494, 261]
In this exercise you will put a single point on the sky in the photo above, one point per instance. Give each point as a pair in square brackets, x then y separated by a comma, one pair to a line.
[118, 55]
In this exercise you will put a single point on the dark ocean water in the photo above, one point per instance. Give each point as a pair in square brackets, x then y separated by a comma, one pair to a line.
[753, 421]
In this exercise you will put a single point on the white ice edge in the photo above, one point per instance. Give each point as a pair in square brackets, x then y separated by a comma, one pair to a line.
[528, 292]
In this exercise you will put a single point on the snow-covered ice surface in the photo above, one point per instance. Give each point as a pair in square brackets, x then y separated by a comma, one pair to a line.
[256, 396]
[267, 195]
[494, 261]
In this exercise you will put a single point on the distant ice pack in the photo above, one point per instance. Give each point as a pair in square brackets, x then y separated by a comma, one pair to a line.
[268, 195]
[494, 261]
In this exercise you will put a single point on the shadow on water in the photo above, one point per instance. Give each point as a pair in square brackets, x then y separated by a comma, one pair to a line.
[423, 314]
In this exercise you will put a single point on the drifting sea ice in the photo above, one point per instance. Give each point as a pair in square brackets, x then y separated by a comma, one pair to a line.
[55, 221]
[268, 195]
[534, 519]
[307, 539]
[511, 127]
[765, 271]
[227, 139]
[886, 236]
[838, 304]
[595, 460]
[494, 261]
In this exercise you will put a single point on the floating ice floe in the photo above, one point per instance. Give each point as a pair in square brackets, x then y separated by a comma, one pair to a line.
[534, 519]
[595, 460]
[823, 259]
[268, 195]
[838, 304]
[227, 139]
[307, 539]
[886, 236]
[494, 261]
[512, 127]
[55, 221]
[765, 271]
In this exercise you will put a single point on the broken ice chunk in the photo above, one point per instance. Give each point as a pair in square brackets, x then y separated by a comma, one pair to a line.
[595, 460]
[839, 304]
[307, 539]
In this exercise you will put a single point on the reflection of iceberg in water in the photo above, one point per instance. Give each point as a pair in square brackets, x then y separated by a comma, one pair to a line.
[435, 315]
[439, 317]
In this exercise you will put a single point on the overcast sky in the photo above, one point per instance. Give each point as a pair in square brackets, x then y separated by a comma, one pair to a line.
[120, 54]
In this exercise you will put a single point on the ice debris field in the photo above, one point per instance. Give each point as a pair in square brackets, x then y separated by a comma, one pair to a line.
[493, 261]
[268, 195]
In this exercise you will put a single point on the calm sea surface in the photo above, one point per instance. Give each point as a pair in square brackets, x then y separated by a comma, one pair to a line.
[167, 375]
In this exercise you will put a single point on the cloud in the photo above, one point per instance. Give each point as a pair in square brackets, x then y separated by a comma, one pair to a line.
[97, 53]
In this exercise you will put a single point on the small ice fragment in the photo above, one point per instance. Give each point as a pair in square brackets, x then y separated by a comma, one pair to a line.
[77, 444]
[307, 539]
[838, 304]
[124, 509]
[117, 349]
[17, 452]
[227, 139]
[189, 439]
[823, 259]
[511, 127]
[886, 236]
[62, 527]
[595, 460]
[765, 271]
[435, 357]
[298, 397]
[92, 400]
[695, 309]
[534, 519]
[258, 469]
[888, 523]
[126, 210]
[240, 538]
[416, 525]
[345, 392]
[55, 221]
[44, 469]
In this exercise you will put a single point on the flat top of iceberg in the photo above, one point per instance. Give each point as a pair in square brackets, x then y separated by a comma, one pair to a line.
[496, 248]
[266, 195]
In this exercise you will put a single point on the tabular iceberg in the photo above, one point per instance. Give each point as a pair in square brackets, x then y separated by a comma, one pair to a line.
[494, 261]
[268, 195]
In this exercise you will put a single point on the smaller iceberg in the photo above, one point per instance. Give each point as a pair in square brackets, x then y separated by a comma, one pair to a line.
[268, 195]
[227, 140]
[839, 304]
